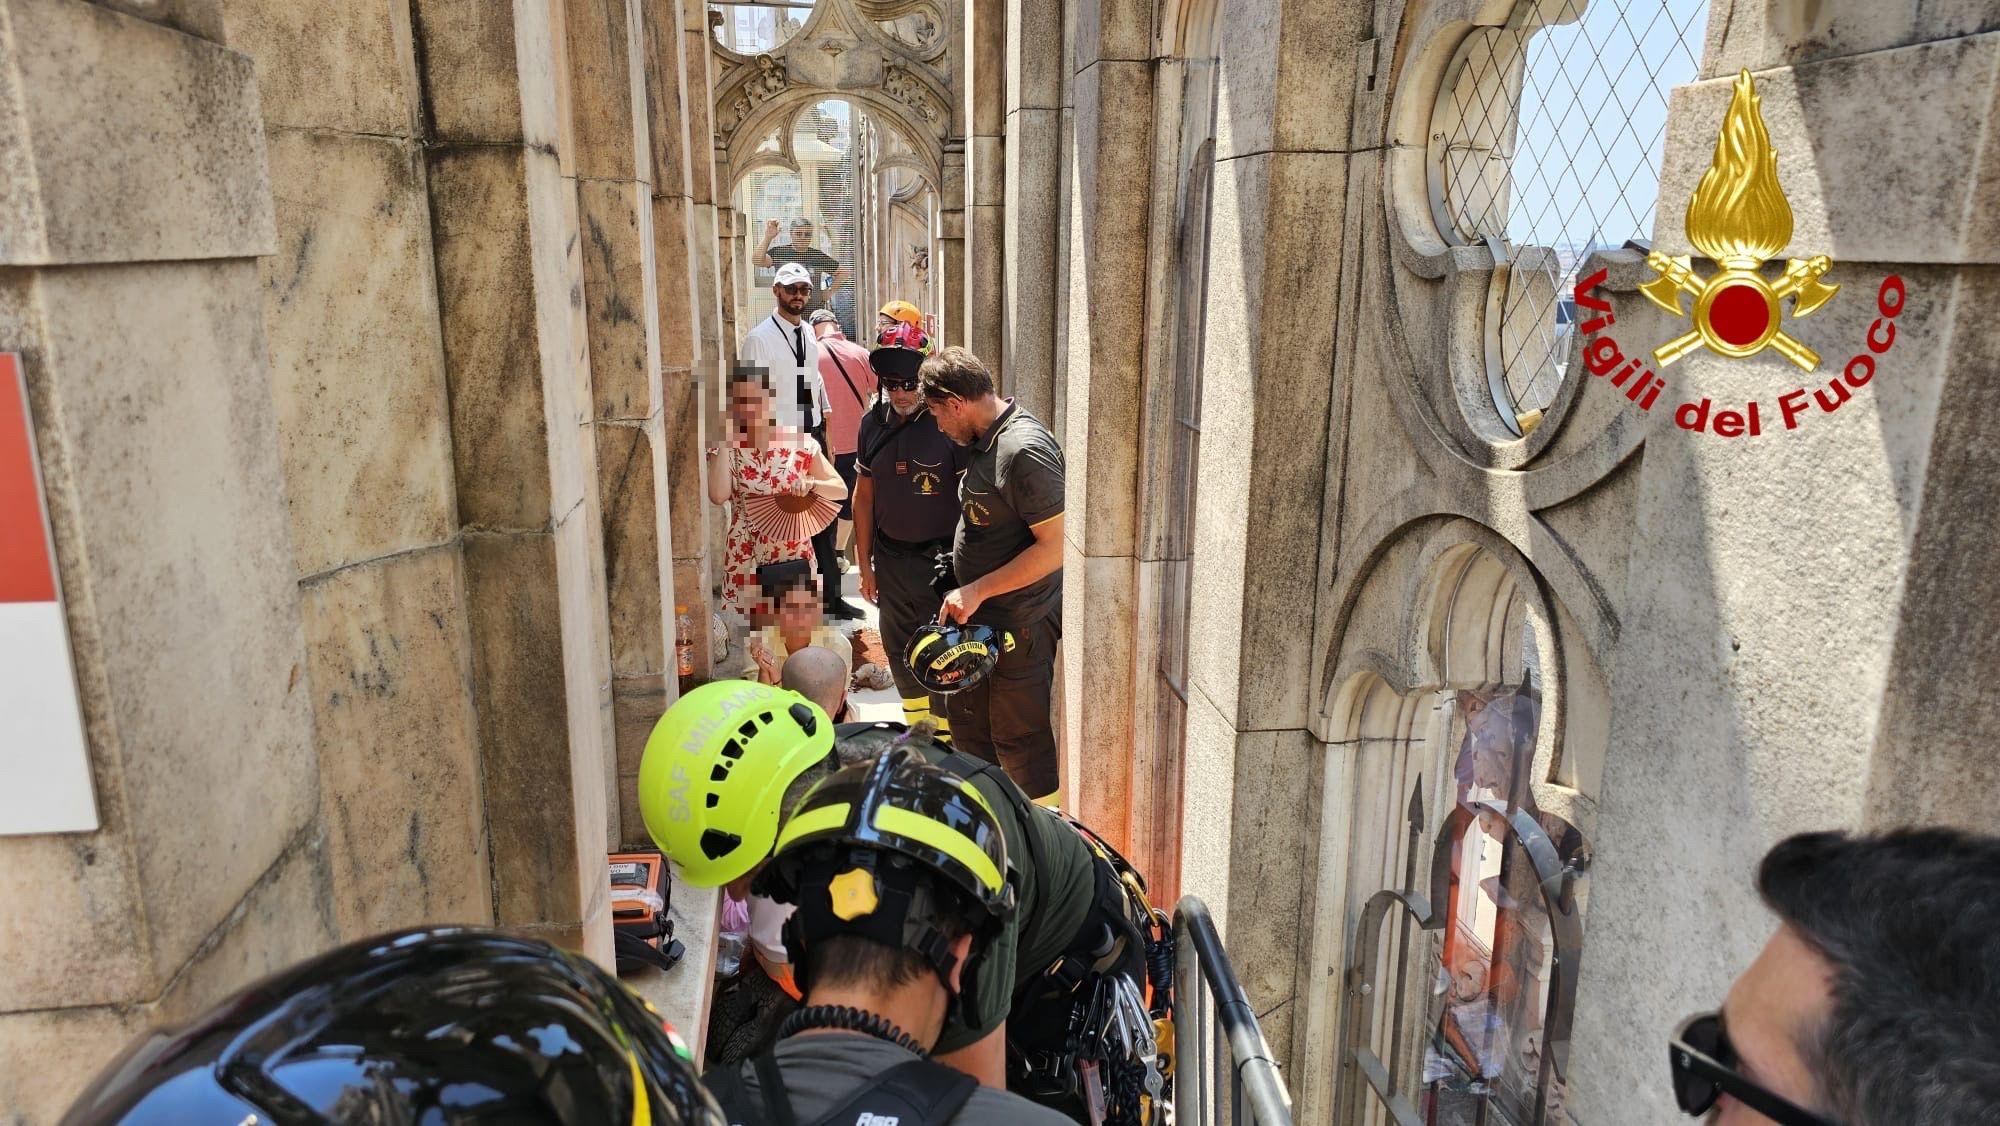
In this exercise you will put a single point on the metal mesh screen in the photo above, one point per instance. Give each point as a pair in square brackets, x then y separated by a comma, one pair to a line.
[752, 27]
[1546, 145]
[822, 194]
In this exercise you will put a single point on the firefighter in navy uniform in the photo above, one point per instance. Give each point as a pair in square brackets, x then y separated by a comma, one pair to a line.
[445, 1025]
[900, 875]
[905, 509]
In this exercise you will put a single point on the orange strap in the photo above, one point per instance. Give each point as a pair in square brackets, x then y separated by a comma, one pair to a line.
[780, 972]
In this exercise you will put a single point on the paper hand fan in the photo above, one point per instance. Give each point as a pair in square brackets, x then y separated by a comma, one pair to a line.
[787, 517]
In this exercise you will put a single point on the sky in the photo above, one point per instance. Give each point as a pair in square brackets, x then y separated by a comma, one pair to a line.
[1593, 114]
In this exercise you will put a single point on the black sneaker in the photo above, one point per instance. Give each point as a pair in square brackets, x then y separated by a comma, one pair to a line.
[842, 610]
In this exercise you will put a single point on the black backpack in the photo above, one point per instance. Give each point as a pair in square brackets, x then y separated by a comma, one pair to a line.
[917, 1093]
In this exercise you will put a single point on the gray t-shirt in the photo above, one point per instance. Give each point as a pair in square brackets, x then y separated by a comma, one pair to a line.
[1013, 481]
[824, 1069]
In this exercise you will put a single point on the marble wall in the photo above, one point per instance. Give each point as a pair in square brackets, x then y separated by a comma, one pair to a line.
[365, 346]
[138, 197]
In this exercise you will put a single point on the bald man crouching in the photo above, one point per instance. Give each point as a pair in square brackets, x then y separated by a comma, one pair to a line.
[820, 675]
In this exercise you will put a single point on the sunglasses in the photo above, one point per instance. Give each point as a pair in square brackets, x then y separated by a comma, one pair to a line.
[799, 290]
[1704, 1065]
[899, 385]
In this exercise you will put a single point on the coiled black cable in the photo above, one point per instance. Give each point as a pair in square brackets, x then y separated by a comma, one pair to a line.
[848, 1019]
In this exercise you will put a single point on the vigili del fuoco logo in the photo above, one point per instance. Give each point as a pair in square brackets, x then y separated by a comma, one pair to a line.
[1740, 218]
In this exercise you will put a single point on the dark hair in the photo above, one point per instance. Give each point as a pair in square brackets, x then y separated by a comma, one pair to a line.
[955, 372]
[742, 372]
[1910, 921]
[779, 587]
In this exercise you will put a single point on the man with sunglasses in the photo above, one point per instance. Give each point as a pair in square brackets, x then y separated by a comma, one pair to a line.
[1875, 1002]
[905, 509]
[820, 266]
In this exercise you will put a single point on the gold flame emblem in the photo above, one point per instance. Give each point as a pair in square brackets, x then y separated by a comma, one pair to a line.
[1740, 218]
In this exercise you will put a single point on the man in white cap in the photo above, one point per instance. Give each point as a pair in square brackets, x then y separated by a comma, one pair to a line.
[782, 345]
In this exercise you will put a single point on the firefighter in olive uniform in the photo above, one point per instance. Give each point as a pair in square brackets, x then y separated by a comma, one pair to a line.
[1007, 564]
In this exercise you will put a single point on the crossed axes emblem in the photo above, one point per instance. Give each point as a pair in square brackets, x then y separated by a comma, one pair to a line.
[1737, 329]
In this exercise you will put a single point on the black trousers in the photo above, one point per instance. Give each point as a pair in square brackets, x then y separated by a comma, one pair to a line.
[826, 557]
[907, 600]
[1006, 718]
[843, 464]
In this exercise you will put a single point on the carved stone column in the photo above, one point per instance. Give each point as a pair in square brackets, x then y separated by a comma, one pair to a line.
[950, 268]
[986, 170]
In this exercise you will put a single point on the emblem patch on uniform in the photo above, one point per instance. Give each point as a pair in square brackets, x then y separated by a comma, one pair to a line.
[978, 514]
[926, 483]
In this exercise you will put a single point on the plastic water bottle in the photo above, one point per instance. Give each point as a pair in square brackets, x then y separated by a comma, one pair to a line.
[684, 646]
[729, 940]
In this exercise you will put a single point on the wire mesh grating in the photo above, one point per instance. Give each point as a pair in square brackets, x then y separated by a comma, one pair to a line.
[1547, 142]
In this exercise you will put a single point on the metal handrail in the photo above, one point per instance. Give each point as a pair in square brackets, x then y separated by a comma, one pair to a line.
[1207, 999]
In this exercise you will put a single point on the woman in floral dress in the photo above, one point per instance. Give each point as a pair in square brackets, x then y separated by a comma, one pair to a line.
[759, 458]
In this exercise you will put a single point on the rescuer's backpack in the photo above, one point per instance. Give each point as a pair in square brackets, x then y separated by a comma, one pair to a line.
[918, 1093]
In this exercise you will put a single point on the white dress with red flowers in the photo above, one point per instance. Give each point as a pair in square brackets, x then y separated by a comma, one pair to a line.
[778, 469]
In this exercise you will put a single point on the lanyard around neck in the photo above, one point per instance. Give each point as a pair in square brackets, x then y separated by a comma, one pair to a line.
[799, 351]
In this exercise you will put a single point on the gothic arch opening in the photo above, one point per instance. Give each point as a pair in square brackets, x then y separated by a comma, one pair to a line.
[1453, 929]
[850, 182]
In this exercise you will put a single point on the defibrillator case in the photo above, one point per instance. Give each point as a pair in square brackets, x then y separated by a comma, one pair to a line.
[641, 930]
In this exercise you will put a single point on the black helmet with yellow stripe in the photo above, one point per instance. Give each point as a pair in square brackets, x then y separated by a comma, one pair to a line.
[889, 849]
[951, 658]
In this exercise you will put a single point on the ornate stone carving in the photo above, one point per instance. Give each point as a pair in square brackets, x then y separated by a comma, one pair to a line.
[900, 83]
[765, 80]
[845, 49]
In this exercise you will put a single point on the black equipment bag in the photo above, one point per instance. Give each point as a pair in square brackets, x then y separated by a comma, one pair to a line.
[641, 933]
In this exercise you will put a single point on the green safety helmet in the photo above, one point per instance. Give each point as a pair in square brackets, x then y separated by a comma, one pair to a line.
[716, 768]
[884, 849]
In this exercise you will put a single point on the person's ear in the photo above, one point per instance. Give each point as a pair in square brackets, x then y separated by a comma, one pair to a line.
[740, 886]
[961, 949]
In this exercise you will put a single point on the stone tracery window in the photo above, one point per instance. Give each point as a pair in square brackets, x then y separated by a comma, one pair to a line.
[920, 27]
[1465, 892]
[1545, 144]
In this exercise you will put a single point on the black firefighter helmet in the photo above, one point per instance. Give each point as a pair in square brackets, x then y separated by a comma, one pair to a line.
[952, 658]
[453, 1025]
[889, 849]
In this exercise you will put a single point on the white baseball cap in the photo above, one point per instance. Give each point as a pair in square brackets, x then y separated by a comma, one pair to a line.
[791, 273]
